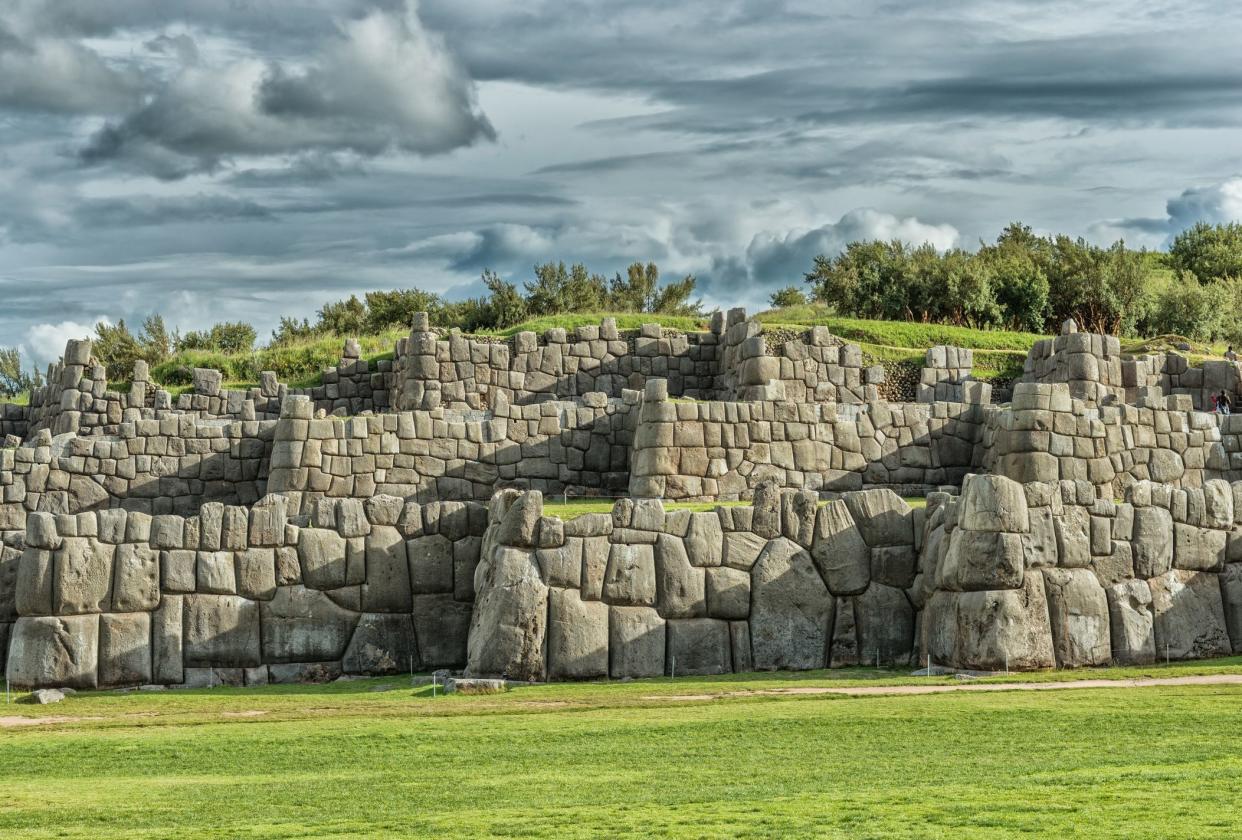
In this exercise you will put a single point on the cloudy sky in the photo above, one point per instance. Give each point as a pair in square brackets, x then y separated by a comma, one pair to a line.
[246, 159]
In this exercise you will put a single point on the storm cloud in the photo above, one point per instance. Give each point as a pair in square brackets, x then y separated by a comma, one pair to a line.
[252, 159]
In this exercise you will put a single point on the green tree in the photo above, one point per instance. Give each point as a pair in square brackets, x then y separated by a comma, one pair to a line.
[225, 337]
[787, 297]
[558, 289]
[1209, 252]
[344, 317]
[396, 308]
[505, 306]
[13, 380]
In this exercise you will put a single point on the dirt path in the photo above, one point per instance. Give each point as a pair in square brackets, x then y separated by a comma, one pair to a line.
[871, 690]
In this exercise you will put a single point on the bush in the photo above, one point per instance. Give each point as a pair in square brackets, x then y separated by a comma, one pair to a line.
[225, 337]
[1210, 252]
[787, 297]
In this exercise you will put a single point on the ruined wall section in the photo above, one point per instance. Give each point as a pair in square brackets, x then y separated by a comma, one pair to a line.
[238, 595]
[786, 584]
[1047, 574]
[461, 371]
[580, 447]
[1047, 435]
[724, 450]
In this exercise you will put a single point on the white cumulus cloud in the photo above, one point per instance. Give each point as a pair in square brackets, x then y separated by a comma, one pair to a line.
[46, 341]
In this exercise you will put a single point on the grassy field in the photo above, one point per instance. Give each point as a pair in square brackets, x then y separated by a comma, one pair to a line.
[630, 760]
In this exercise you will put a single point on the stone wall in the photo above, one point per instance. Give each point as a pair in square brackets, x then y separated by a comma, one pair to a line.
[723, 450]
[946, 377]
[438, 454]
[239, 595]
[786, 584]
[1031, 576]
[1047, 435]
[460, 371]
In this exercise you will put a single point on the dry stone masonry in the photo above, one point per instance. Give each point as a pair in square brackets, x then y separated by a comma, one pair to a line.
[393, 516]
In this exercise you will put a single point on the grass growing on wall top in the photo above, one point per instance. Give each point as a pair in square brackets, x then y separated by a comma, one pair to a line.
[573, 508]
[625, 760]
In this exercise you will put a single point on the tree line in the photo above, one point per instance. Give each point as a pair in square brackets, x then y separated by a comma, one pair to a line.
[1023, 281]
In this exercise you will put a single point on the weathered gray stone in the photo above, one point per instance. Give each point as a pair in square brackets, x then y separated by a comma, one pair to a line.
[520, 523]
[1131, 622]
[680, 591]
[882, 517]
[991, 630]
[1189, 615]
[728, 593]
[303, 625]
[178, 570]
[83, 570]
[216, 572]
[1073, 529]
[124, 649]
[980, 561]
[741, 549]
[884, 625]
[894, 565]
[1198, 549]
[509, 625]
[577, 636]
[698, 647]
[562, 566]
[1152, 543]
[388, 585]
[839, 551]
[1079, 617]
[166, 640]
[636, 642]
[221, 630]
[790, 609]
[630, 579]
[382, 643]
[256, 573]
[993, 503]
[322, 555]
[704, 540]
[431, 564]
[135, 578]
[54, 651]
[34, 582]
[441, 626]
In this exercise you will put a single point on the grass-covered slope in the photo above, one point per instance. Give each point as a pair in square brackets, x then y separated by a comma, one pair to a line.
[697, 757]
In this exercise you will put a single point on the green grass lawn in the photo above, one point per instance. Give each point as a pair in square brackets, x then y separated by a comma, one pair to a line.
[625, 760]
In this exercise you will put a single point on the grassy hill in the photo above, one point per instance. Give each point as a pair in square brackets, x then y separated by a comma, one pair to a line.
[898, 345]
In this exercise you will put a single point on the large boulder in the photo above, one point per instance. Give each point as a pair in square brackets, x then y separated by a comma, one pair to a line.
[630, 579]
[442, 627]
[1131, 623]
[704, 540]
[680, 587]
[83, 576]
[1073, 529]
[636, 642]
[136, 578]
[1198, 549]
[1152, 541]
[981, 560]
[991, 630]
[1231, 597]
[221, 631]
[882, 516]
[839, 551]
[124, 649]
[993, 503]
[1189, 615]
[791, 609]
[321, 553]
[1078, 611]
[873, 628]
[577, 636]
[305, 625]
[57, 651]
[699, 647]
[382, 643]
[509, 624]
[388, 572]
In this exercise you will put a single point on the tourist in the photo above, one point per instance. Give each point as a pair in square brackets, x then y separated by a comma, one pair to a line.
[1230, 355]
[1215, 404]
[1223, 403]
